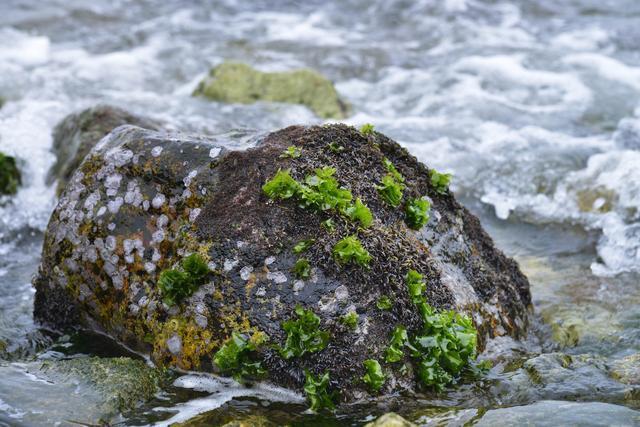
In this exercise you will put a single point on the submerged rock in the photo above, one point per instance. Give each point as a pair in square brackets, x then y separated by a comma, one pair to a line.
[116, 257]
[78, 133]
[239, 83]
[84, 391]
[556, 413]
[123, 383]
[10, 177]
[390, 420]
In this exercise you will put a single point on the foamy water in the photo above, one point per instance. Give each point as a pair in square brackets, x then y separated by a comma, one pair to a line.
[532, 105]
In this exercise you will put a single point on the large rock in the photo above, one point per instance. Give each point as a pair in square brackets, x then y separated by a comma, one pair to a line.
[239, 83]
[78, 133]
[142, 201]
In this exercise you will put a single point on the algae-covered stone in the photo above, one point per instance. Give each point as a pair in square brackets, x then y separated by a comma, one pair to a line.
[571, 324]
[122, 382]
[143, 203]
[239, 83]
[84, 391]
[390, 420]
[627, 369]
[10, 176]
[78, 133]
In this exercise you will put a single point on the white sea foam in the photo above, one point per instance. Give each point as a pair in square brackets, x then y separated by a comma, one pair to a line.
[221, 390]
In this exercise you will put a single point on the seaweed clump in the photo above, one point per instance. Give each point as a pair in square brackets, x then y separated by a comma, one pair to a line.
[176, 285]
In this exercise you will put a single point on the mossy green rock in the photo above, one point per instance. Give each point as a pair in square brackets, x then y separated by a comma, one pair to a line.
[122, 382]
[142, 201]
[390, 420]
[239, 83]
[85, 390]
[10, 177]
[78, 133]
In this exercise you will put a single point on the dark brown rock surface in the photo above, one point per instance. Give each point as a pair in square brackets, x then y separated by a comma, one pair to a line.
[141, 201]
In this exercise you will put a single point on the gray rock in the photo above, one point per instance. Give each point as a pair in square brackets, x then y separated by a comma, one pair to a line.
[557, 413]
[78, 133]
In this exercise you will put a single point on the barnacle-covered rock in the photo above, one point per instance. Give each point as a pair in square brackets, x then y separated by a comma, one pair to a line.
[147, 213]
[239, 83]
[78, 133]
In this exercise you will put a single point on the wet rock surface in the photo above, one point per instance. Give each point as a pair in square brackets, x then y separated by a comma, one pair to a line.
[556, 413]
[141, 201]
[239, 83]
[78, 133]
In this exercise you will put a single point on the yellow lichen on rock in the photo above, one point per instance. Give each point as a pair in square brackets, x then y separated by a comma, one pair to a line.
[239, 83]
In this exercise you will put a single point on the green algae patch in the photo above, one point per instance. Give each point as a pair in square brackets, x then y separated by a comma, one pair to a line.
[384, 303]
[302, 269]
[123, 382]
[237, 357]
[318, 395]
[399, 339]
[390, 190]
[367, 129]
[417, 213]
[303, 335]
[350, 320]
[320, 192]
[350, 250]
[374, 378]
[446, 344]
[440, 181]
[239, 83]
[10, 177]
[175, 285]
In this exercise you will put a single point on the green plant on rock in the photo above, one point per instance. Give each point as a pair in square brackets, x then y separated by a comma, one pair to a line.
[302, 269]
[416, 286]
[384, 303]
[399, 338]
[349, 250]
[440, 181]
[334, 147]
[367, 129]
[320, 192]
[392, 170]
[417, 213]
[317, 392]
[281, 186]
[328, 224]
[350, 320]
[175, 285]
[390, 190]
[292, 152]
[374, 378]
[360, 212]
[303, 245]
[446, 344]
[237, 357]
[303, 335]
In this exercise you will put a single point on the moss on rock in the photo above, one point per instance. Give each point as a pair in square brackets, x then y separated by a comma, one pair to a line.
[122, 382]
[10, 177]
[239, 83]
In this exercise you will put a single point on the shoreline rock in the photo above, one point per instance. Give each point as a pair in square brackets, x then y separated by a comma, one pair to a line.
[79, 132]
[10, 176]
[142, 203]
